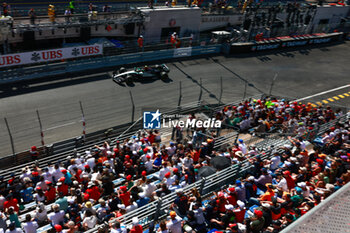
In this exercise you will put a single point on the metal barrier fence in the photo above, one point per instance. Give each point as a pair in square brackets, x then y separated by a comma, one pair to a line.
[20, 74]
[61, 150]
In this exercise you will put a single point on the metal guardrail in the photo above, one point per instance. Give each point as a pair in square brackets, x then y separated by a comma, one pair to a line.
[66, 148]
[20, 74]
[331, 215]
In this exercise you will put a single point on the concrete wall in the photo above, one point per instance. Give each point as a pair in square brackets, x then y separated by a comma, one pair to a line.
[188, 19]
[333, 13]
[209, 22]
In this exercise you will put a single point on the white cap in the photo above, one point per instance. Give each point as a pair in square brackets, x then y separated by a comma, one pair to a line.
[229, 207]
[301, 184]
[266, 205]
[121, 206]
[251, 178]
[179, 190]
[135, 220]
[109, 152]
[240, 204]
[142, 195]
[134, 152]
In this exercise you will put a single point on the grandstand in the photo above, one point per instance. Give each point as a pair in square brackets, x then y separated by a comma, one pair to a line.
[110, 165]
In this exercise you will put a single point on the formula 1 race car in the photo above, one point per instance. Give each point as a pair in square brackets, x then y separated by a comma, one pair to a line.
[140, 73]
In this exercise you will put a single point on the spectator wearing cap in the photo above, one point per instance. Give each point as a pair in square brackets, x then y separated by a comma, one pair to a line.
[34, 153]
[240, 212]
[58, 228]
[232, 196]
[143, 200]
[240, 190]
[11, 202]
[124, 195]
[30, 225]
[175, 223]
[265, 208]
[225, 220]
[164, 170]
[68, 176]
[250, 187]
[62, 187]
[57, 173]
[257, 221]
[50, 193]
[242, 146]
[13, 229]
[57, 216]
[136, 226]
[93, 191]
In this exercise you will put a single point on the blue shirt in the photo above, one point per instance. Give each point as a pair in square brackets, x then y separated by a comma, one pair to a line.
[27, 194]
[142, 201]
[68, 177]
[158, 162]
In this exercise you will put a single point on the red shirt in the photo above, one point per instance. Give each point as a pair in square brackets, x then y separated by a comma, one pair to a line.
[125, 197]
[240, 216]
[77, 176]
[63, 188]
[50, 194]
[94, 193]
[136, 229]
[13, 203]
[232, 200]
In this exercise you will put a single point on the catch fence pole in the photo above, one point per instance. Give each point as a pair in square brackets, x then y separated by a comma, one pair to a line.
[41, 131]
[83, 119]
[133, 107]
[11, 139]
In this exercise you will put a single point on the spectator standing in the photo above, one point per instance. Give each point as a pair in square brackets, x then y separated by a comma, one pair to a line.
[32, 16]
[67, 14]
[33, 150]
[174, 225]
[71, 6]
[51, 13]
[6, 9]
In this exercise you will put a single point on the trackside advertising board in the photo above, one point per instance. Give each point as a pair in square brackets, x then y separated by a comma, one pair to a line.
[49, 55]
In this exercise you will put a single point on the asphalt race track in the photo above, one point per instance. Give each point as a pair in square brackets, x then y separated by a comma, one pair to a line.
[300, 73]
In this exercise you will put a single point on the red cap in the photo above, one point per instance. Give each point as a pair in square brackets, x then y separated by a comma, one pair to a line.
[48, 182]
[62, 179]
[123, 188]
[64, 171]
[231, 189]
[115, 149]
[287, 173]
[128, 178]
[86, 196]
[186, 177]
[175, 170]
[35, 173]
[144, 173]
[145, 150]
[33, 148]
[221, 194]
[86, 166]
[38, 188]
[127, 157]
[258, 213]
[148, 157]
[58, 228]
[319, 161]
[232, 225]
[167, 175]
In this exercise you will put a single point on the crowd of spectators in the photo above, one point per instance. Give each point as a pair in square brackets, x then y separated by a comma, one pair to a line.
[81, 192]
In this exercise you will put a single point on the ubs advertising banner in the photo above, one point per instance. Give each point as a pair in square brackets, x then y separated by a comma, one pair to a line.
[49, 55]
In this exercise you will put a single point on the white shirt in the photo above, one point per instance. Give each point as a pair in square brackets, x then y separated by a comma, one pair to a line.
[163, 171]
[16, 230]
[56, 218]
[175, 225]
[149, 189]
[90, 221]
[275, 161]
[283, 185]
[30, 227]
[149, 165]
[120, 230]
[57, 174]
[41, 216]
[131, 207]
[91, 163]
[243, 148]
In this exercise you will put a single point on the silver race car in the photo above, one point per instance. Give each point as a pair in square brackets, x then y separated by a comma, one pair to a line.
[138, 74]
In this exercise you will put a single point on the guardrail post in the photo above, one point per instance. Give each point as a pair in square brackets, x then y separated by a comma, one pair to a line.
[201, 188]
[221, 88]
[159, 206]
[133, 107]
[11, 140]
[41, 132]
[201, 90]
[83, 119]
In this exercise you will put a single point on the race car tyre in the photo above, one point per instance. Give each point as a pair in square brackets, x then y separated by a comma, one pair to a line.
[122, 70]
[163, 75]
[129, 79]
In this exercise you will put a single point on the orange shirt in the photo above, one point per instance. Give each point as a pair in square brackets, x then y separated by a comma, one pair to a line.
[267, 196]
